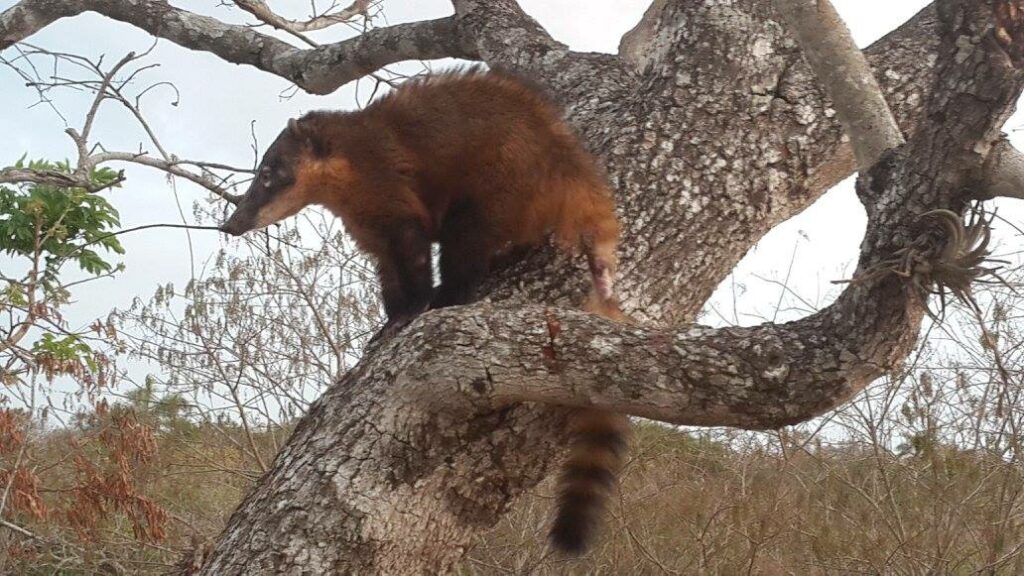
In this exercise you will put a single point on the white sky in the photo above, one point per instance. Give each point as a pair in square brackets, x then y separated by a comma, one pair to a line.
[218, 100]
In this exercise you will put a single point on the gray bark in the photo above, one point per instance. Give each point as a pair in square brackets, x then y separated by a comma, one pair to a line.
[845, 75]
[713, 131]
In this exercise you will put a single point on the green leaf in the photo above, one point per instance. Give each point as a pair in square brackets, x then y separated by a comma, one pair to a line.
[62, 222]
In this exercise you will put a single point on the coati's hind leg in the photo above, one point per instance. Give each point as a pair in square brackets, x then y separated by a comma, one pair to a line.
[466, 249]
[589, 222]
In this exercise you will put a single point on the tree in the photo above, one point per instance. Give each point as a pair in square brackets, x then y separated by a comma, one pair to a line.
[43, 228]
[709, 121]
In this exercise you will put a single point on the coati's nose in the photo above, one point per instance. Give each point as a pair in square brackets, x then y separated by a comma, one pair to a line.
[242, 220]
[231, 227]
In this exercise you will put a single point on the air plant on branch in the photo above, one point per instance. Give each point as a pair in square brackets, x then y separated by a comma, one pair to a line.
[949, 265]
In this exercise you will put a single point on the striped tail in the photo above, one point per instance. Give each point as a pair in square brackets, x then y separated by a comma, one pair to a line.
[599, 437]
[588, 477]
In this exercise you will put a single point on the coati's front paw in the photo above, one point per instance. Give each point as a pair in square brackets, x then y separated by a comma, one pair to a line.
[445, 296]
[392, 327]
[441, 299]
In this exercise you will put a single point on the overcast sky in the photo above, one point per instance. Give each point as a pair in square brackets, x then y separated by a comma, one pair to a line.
[218, 101]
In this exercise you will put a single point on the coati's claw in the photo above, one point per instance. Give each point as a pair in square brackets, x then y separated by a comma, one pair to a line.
[392, 328]
[602, 278]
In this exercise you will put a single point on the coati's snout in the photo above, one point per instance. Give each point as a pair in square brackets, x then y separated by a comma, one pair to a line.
[264, 204]
[242, 220]
[273, 194]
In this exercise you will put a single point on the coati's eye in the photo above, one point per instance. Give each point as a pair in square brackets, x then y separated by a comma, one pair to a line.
[265, 176]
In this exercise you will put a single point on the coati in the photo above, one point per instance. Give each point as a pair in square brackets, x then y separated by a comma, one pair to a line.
[480, 163]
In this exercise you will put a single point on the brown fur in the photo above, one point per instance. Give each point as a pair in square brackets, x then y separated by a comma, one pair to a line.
[463, 136]
[480, 163]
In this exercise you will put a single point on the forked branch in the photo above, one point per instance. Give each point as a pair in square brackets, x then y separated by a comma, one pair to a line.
[262, 11]
[109, 85]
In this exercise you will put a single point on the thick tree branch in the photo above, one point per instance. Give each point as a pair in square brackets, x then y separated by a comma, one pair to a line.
[503, 33]
[762, 377]
[845, 75]
[325, 69]
[505, 36]
[636, 46]
[317, 70]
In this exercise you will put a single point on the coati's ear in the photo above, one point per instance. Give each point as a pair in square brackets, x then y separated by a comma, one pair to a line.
[307, 134]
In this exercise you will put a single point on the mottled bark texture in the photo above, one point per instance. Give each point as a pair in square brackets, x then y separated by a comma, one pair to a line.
[843, 71]
[713, 131]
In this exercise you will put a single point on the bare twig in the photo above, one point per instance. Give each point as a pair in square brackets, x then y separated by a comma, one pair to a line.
[263, 13]
[109, 86]
[18, 529]
[134, 229]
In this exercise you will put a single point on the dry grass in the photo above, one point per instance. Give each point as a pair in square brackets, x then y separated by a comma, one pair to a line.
[696, 506]
[750, 504]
